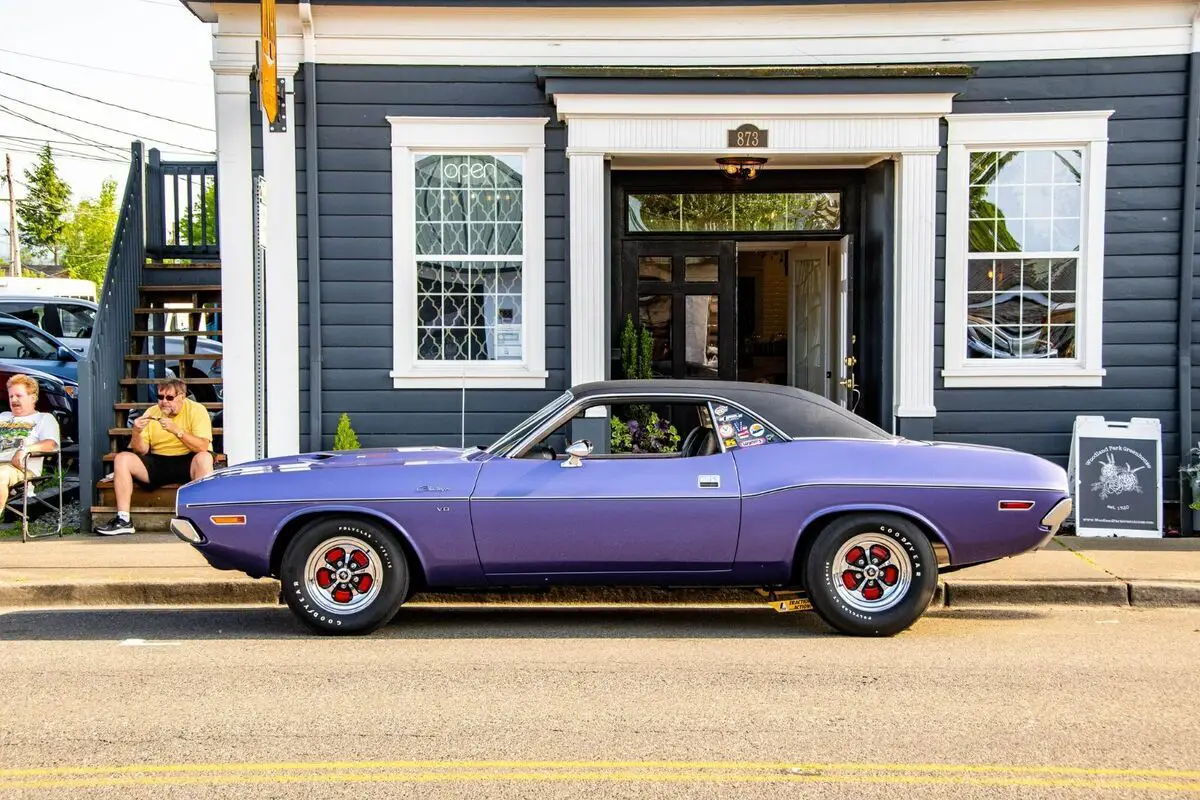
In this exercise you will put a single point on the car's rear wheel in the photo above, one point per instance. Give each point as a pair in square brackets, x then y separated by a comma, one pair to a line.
[344, 576]
[871, 574]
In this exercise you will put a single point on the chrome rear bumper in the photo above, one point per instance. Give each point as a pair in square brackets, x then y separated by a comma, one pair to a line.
[1054, 519]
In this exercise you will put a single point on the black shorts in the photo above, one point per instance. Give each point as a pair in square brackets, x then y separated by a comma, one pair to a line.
[167, 469]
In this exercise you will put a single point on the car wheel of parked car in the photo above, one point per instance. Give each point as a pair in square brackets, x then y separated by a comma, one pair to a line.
[344, 576]
[871, 574]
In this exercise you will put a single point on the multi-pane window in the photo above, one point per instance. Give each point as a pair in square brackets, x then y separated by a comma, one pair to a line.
[1024, 233]
[1024, 278]
[469, 257]
[469, 252]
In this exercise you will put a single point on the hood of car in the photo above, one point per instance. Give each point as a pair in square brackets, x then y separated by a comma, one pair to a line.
[333, 459]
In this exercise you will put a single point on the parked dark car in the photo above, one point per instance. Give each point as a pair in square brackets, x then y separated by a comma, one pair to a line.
[24, 343]
[57, 396]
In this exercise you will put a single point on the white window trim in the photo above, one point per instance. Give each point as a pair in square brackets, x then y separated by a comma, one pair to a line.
[523, 136]
[1086, 130]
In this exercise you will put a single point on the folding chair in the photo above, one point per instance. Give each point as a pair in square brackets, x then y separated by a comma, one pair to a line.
[29, 489]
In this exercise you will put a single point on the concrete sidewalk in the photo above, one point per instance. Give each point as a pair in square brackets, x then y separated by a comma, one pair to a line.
[158, 569]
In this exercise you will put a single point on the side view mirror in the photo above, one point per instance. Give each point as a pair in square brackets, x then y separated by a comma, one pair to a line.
[65, 354]
[577, 451]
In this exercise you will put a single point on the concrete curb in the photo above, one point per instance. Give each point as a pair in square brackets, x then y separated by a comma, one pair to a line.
[987, 593]
[949, 594]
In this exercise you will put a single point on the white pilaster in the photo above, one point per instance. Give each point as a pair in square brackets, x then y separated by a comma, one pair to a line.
[236, 218]
[916, 209]
[589, 335]
[282, 293]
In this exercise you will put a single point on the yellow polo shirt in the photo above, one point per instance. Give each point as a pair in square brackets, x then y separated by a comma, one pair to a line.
[192, 417]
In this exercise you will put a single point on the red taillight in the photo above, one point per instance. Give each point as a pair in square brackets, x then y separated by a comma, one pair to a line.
[1016, 505]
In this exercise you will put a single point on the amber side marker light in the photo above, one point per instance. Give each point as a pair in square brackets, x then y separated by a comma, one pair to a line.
[1016, 505]
[230, 519]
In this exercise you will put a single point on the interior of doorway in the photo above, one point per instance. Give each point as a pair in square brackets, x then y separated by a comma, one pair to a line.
[793, 316]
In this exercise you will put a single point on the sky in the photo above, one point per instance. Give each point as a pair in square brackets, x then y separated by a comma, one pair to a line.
[147, 55]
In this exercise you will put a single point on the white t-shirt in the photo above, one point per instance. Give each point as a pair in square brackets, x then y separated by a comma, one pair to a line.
[17, 431]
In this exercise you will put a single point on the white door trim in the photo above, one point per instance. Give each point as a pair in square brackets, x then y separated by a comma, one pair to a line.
[628, 124]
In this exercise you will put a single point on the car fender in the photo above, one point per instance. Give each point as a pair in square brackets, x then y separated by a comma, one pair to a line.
[326, 509]
[938, 537]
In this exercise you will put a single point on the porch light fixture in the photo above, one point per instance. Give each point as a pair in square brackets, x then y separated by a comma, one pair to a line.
[741, 168]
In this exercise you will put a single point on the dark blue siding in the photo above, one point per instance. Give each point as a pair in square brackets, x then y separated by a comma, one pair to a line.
[1141, 267]
[354, 162]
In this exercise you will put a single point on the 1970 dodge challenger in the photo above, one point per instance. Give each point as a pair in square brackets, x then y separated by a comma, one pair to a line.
[695, 483]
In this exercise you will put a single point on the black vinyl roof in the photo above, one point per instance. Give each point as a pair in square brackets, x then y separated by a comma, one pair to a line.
[796, 412]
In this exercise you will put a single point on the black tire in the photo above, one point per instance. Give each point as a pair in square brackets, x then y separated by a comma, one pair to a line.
[855, 610]
[344, 606]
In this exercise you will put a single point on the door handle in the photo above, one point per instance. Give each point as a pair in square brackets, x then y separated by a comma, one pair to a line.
[709, 482]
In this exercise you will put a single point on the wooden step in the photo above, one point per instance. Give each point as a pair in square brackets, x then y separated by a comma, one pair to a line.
[160, 498]
[187, 310]
[169, 288]
[194, 265]
[175, 357]
[176, 333]
[145, 520]
[188, 381]
[133, 406]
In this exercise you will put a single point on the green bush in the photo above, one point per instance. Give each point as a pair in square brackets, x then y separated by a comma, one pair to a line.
[644, 432]
[345, 439]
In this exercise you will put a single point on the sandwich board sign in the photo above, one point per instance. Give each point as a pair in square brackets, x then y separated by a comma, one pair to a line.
[1116, 477]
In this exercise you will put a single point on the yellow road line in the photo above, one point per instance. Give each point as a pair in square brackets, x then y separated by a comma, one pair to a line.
[608, 776]
[602, 765]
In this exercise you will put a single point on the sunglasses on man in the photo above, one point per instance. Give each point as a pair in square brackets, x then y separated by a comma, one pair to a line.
[166, 398]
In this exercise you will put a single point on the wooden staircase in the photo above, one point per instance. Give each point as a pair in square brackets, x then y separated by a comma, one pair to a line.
[185, 292]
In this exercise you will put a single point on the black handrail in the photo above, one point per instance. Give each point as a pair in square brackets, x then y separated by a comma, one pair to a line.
[100, 370]
[181, 206]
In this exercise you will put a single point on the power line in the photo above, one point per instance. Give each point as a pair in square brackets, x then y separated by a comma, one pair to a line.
[68, 155]
[75, 136]
[101, 69]
[105, 127]
[106, 103]
[39, 140]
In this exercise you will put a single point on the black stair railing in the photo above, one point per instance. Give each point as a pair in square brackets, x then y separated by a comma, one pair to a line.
[102, 367]
[181, 206]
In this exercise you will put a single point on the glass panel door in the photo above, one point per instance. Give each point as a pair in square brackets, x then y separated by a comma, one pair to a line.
[683, 294]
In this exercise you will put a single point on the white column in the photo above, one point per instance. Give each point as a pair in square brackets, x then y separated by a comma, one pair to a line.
[236, 217]
[916, 209]
[589, 338]
[282, 292]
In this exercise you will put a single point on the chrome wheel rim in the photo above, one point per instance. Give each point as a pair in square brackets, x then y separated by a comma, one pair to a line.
[343, 575]
[871, 572]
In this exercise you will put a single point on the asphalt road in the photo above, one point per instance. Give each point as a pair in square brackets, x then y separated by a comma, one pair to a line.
[662, 702]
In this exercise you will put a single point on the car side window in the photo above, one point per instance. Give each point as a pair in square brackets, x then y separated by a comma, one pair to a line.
[34, 313]
[9, 346]
[679, 428]
[76, 321]
[739, 428]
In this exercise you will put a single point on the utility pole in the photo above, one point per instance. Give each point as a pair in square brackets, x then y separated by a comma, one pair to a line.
[14, 249]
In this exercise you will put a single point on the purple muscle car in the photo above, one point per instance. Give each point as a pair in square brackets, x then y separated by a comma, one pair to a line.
[690, 483]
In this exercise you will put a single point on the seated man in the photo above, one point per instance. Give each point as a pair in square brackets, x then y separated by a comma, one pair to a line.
[171, 443]
[23, 431]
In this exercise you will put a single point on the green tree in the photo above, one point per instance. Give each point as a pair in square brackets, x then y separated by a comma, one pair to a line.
[89, 235]
[200, 229]
[45, 209]
[344, 438]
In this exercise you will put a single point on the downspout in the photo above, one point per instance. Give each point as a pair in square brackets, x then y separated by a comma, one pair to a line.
[1187, 251]
[314, 228]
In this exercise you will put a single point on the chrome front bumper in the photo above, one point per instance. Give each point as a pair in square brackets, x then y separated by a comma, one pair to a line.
[186, 531]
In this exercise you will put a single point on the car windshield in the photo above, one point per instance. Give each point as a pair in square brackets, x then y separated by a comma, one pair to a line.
[505, 442]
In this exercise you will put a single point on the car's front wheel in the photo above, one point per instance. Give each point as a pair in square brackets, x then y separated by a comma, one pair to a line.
[871, 574]
[344, 576]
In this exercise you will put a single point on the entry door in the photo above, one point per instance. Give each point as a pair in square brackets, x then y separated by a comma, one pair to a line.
[847, 385]
[684, 292]
[810, 319]
[616, 515]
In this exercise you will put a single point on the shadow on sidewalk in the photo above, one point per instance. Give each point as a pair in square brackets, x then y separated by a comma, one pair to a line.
[190, 624]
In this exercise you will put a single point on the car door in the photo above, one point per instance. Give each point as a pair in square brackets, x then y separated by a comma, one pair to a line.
[640, 516]
[31, 348]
